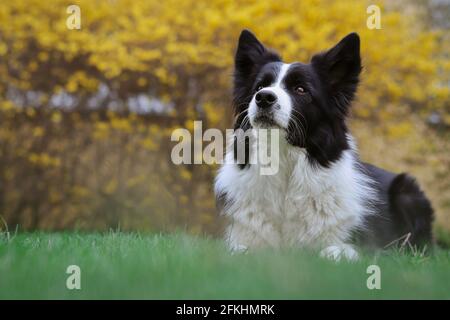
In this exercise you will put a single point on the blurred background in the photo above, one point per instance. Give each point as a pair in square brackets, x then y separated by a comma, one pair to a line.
[86, 115]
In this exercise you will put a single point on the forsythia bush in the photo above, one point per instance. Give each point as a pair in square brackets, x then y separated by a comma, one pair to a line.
[168, 46]
[71, 153]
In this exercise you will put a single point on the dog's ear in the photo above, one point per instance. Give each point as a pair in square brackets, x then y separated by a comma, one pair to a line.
[251, 55]
[339, 69]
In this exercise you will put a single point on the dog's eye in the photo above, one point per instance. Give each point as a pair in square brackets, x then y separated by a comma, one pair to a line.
[299, 90]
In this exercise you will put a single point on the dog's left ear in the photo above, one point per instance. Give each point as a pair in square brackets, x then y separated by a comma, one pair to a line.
[339, 69]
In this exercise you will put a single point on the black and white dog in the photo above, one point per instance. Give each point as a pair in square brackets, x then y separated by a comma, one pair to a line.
[322, 196]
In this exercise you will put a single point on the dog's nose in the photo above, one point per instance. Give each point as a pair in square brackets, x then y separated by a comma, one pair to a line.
[265, 99]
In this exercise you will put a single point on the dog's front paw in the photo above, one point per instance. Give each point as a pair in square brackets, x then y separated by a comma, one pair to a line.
[239, 248]
[337, 251]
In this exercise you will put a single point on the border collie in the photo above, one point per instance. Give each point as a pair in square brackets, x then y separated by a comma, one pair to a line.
[322, 197]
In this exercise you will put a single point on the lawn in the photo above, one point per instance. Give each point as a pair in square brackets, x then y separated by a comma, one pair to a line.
[119, 265]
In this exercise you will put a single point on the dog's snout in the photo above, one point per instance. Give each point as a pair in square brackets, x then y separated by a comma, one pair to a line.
[265, 99]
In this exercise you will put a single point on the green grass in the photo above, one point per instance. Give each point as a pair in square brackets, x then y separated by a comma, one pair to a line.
[136, 266]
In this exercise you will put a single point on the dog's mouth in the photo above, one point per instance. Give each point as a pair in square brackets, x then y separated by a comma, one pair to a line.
[265, 120]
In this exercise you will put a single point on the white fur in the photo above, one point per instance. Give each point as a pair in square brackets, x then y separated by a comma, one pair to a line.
[302, 205]
[284, 69]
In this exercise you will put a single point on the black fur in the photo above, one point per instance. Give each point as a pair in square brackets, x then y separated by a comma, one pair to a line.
[403, 216]
[318, 124]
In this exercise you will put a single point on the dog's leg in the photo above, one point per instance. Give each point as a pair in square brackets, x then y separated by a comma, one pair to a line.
[239, 248]
[335, 252]
[234, 240]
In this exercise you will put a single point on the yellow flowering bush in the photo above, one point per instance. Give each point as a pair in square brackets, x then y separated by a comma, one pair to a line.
[185, 48]
[74, 154]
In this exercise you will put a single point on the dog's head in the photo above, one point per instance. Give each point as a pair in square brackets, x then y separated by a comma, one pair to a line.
[309, 102]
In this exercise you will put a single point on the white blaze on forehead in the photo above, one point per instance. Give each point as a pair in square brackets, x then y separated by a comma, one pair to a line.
[284, 69]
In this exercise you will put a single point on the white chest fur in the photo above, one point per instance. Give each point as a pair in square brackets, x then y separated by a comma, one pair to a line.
[301, 205]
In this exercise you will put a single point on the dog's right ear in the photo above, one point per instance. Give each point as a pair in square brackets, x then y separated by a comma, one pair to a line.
[251, 54]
